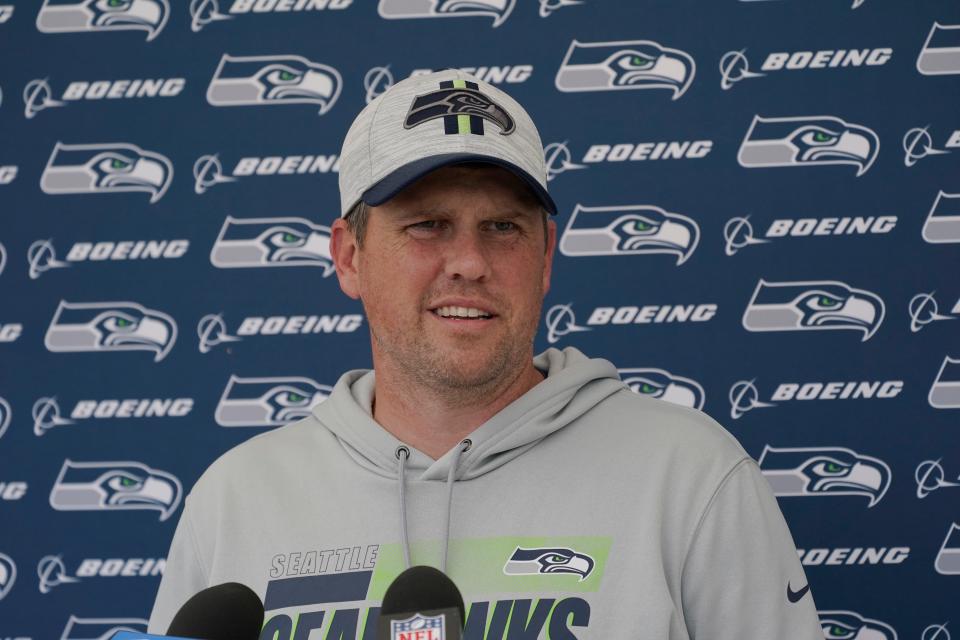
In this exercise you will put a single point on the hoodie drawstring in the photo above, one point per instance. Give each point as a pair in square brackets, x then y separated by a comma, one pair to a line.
[402, 454]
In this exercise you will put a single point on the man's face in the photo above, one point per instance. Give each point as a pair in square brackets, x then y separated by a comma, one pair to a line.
[452, 275]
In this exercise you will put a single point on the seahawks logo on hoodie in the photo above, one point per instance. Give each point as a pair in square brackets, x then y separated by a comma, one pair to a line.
[549, 560]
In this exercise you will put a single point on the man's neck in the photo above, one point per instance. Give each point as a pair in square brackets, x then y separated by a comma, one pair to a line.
[434, 422]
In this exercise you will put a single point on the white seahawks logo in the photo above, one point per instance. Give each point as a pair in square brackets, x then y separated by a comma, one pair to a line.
[115, 486]
[273, 80]
[64, 16]
[625, 65]
[499, 10]
[268, 402]
[824, 471]
[106, 168]
[110, 326]
[943, 222]
[629, 230]
[940, 54]
[808, 140]
[945, 390]
[272, 242]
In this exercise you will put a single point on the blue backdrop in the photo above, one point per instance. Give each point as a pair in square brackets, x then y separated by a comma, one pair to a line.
[760, 216]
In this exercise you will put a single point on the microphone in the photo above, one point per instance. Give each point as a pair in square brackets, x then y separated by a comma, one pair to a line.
[422, 603]
[229, 611]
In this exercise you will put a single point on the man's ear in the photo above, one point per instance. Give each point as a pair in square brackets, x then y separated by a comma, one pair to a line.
[345, 254]
[551, 249]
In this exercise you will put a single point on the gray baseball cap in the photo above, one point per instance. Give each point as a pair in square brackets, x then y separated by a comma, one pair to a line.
[430, 121]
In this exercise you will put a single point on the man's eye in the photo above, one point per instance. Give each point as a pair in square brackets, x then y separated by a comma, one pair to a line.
[502, 225]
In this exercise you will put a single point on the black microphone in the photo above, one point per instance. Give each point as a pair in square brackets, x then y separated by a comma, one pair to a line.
[229, 611]
[422, 603]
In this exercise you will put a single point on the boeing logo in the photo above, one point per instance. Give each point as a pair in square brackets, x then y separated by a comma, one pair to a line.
[923, 309]
[46, 416]
[8, 574]
[561, 321]
[208, 172]
[52, 573]
[558, 160]
[930, 476]
[37, 96]
[212, 331]
[745, 397]
[918, 144]
[376, 81]
[738, 232]
[6, 413]
[735, 67]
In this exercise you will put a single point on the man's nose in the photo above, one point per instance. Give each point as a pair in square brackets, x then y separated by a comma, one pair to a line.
[467, 257]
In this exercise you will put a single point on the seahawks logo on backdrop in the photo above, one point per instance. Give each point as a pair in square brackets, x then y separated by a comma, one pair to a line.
[945, 390]
[110, 326]
[629, 64]
[943, 222]
[663, 385]
[847, 625]
[272, 242]
[115, 486]
[548, 560]
[499, 10]
[947, 561]
[940, 54]
[271, 80]
[106, 168]
[64, 16]
[807, 141]
[457, 98]
[100, 628]
[629, 230]
[824, 471]
[813, 305]
[268, 402]
[8, 574]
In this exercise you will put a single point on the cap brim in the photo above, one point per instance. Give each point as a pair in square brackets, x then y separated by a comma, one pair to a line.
[410, 173]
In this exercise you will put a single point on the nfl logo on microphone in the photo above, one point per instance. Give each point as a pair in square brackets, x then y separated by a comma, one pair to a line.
[418, 628]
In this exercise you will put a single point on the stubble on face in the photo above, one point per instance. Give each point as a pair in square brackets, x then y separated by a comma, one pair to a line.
[468, 367]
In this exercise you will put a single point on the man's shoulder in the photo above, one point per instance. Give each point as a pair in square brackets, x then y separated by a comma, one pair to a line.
[660, 427]
[265, 453]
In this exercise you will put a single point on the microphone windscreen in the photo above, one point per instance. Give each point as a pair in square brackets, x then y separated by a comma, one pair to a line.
[229, 611]
[420, 588]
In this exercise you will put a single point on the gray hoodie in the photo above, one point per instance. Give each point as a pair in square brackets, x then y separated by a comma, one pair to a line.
[581, 510]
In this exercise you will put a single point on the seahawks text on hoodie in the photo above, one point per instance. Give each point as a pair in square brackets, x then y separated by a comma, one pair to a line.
[581, 510]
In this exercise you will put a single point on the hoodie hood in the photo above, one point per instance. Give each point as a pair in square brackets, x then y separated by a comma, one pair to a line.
[573, 385]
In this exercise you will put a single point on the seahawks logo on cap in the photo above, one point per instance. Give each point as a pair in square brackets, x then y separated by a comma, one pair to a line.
[109, 486]
[824, 471]
[106, 168]
[548, 560]
[268, 402]
[272, 242]
[847, 625]
[663, 385]
[813, 305]
[110, 326]
[630, 64]
[271, 80]
[64, 16]
[629, 230]
[813, 140]
[463, 108]
[499, 10]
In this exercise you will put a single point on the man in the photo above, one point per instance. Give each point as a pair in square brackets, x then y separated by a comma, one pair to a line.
[561, 503]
